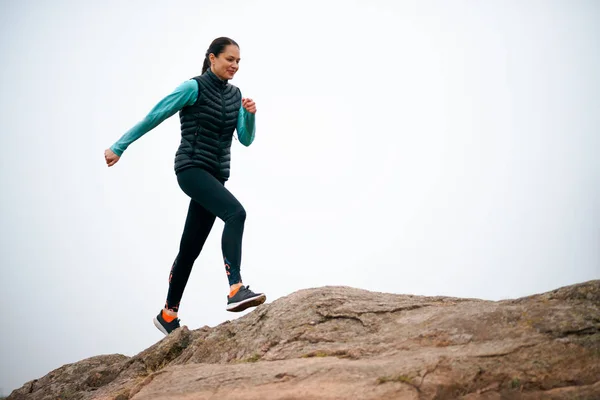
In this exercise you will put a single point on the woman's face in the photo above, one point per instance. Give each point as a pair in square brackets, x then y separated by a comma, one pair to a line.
[227, 63]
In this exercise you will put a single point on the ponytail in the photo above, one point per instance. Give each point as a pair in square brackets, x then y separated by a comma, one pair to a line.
[206, 64]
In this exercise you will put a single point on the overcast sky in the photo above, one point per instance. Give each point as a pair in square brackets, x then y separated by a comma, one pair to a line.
[412, 147]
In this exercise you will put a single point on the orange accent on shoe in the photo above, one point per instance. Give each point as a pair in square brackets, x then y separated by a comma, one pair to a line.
[234, 291]
[167, 317]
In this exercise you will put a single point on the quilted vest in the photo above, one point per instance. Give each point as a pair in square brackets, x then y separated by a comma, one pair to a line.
[207, 127]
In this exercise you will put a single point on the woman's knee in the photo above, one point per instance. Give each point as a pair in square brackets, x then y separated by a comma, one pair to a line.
[238, 215]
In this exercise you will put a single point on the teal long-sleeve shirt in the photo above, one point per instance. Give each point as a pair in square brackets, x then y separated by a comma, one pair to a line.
[184, 95]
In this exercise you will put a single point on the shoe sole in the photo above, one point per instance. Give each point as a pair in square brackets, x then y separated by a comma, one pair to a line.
[159, 326]
[247, 303]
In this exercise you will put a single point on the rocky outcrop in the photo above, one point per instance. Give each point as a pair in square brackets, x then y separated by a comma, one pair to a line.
[346, 343]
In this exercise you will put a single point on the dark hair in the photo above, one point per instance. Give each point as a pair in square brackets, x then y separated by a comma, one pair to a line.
[216, 47]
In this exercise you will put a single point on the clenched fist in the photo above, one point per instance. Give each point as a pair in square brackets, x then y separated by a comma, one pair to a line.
[249, 105]
[110, 157]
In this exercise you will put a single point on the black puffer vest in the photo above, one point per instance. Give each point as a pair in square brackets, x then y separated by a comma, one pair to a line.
[207, 127]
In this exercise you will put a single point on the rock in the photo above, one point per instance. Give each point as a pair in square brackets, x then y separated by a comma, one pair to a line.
[346, 343]
[72, 381]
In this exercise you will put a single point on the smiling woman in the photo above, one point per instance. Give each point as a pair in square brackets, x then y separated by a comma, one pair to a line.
[223, 57]
[210, 109]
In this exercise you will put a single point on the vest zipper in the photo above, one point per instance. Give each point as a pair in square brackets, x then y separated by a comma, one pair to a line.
[222, 121]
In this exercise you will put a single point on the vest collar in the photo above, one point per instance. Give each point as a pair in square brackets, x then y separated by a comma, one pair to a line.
[215, 79]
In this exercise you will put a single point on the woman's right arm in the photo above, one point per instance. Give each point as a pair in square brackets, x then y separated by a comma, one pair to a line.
[184, 95]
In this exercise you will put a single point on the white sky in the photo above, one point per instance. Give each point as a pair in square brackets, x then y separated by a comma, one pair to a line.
[414, 147]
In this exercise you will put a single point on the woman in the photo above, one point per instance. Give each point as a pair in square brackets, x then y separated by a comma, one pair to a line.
[210, 109]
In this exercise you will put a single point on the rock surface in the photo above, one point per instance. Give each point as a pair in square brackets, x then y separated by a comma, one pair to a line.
[346, 343]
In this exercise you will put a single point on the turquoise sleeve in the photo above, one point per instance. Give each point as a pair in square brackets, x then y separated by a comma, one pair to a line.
[246, 126]
[184, 95]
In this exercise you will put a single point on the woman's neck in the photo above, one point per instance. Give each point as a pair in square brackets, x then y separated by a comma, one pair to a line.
[217, 75]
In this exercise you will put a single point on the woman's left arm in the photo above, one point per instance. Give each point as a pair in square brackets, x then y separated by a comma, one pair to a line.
[246, 124]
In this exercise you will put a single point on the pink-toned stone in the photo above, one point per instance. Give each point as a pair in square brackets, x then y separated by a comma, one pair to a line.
[346, 343]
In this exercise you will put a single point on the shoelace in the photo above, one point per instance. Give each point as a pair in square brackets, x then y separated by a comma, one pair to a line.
[247, 289]
[244, 289]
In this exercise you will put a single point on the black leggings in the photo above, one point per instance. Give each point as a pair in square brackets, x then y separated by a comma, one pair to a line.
[209, 199]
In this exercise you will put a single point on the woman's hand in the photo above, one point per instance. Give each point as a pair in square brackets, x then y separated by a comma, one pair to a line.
[249, 105]
[110, 157]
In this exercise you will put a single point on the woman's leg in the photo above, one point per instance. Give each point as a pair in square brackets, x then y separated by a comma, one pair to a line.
[198, 224]
[212, 195]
